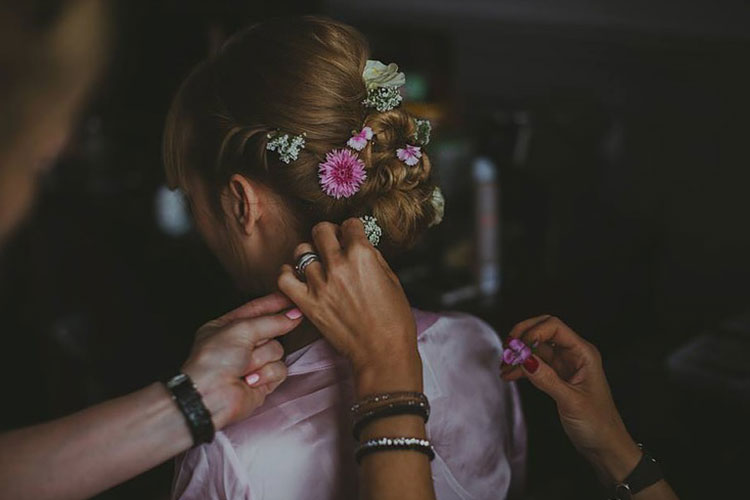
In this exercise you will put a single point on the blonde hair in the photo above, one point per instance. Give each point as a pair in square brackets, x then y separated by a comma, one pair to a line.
[300, 75]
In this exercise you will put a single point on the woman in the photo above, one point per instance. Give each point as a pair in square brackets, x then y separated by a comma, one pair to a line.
[50, 56]
[568, 368]
[289, 125]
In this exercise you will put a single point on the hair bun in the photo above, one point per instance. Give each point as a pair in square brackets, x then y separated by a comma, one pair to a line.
[400, 195]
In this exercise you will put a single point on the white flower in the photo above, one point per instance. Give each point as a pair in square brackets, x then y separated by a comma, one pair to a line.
[377, 74]
[373, 231]
[438, 203]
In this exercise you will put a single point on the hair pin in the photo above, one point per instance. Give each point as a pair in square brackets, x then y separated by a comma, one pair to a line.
[373, 231]
[287, 146]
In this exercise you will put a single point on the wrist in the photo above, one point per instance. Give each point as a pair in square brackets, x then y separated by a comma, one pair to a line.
[389, 374]
[216, 393]
[615, 462]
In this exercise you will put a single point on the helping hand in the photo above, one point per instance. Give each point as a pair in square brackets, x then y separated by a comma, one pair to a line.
[234, 362]
[569, 369]
[357, 303]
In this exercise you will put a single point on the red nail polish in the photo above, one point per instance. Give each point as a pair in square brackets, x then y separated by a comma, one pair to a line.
[531, 364]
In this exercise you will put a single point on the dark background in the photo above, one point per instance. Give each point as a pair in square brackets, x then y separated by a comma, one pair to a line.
[620, 135]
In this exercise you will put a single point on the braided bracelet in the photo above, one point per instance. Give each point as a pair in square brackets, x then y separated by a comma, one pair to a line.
[408, 407]
[394, 444]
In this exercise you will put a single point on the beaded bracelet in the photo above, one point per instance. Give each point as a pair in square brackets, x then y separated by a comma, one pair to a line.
[386, 398]
[394, 444]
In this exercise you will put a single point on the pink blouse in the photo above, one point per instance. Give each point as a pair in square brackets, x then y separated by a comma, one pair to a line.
[299, 445]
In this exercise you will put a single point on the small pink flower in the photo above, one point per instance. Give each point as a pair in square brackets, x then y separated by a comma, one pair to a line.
[516, 353]
[359, 140]
[342, 174]
[409, 155]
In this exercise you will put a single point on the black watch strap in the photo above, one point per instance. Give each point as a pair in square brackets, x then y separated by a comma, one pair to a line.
[191, 405]
[646, 473]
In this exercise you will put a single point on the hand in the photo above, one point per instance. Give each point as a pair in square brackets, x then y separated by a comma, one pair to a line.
[357, 303]
[235, 363]
[569, 369]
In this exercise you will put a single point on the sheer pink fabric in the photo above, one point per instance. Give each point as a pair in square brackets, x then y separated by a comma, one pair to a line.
[299, 445]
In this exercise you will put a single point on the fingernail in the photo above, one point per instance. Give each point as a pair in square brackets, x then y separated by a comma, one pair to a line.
[293, 313]
[252, 379]
[531, 364]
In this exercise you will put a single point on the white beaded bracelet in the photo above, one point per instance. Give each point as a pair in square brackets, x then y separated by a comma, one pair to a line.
[394, 443]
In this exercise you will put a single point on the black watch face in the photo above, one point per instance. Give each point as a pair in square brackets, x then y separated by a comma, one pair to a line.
[622, 492]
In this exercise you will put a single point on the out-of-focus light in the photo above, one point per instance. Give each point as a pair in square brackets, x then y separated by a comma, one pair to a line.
[171, 212]
[416, 87]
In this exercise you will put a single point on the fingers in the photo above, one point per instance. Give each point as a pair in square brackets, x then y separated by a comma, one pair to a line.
[314, 272]
[545, 379]
[327, 242]
[264, 354]
[521, 327]
[290, 285]
[253, 331]
[271, 374]
[269, 304]
[352, 231]
[551, 330]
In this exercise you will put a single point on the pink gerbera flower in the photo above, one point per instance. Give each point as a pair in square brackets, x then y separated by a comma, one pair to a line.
[409, 155]
[342, 174]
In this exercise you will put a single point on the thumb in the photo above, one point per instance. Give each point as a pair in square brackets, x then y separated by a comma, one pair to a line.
[544, 378]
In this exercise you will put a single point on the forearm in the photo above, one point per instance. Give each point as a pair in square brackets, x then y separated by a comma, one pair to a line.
[85, 453]
[395, 474]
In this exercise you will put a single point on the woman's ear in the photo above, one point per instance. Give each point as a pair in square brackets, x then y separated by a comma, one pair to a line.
[243, 203]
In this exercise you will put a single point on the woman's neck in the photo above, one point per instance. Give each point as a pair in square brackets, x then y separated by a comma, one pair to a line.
[302, 336]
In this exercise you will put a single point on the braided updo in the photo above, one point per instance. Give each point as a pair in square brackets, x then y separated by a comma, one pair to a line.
[299, 76]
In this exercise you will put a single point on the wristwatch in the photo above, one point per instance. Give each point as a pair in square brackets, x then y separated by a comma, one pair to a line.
[646, 473]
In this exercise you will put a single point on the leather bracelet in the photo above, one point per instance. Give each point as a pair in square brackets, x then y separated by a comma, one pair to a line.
[394, 444]
[646, 473]
[190, 403]
[391, 410]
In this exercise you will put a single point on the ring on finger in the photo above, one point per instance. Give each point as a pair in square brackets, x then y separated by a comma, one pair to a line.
[303, 261]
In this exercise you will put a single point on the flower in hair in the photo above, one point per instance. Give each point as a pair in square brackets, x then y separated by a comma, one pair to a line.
[409, 155]
[359, 140]
[383, 98]
[377, 74]
[288, 147]
[342, 173]
[516, 353]
[373, 231]
[438, 203]
[423, 131]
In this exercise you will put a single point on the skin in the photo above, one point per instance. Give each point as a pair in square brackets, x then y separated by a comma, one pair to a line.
[357, 302]
[569, 369]
[352, 297]
[74, 43]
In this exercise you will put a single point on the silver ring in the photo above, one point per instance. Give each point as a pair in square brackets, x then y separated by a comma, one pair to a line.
[305, 260]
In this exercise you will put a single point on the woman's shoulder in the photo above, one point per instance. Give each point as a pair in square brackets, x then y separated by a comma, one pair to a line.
[454, 327]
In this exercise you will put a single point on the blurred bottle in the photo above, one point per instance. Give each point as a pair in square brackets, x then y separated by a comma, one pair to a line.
[487, 222]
